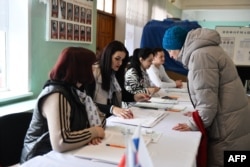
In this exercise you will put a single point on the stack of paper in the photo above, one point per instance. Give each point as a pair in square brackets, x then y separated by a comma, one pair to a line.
[157, 103]
[183, 90]
[176, 108]
[164, 101]
[151, 105]
[181, 97]
[143, 117]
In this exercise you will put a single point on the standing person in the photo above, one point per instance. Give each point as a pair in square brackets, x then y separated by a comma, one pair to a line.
[215, 89]
[157, 73]
[65, 117]
[136, 78]
[109, 89]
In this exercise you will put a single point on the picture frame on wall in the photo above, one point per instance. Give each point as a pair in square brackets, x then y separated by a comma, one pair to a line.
[54, 29]
[82, 33]
[63, 9]
[54, 8]
[62, 30]
[69, 31]
[69, 21]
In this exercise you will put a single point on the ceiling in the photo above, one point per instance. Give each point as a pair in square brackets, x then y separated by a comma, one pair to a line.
[211, 4]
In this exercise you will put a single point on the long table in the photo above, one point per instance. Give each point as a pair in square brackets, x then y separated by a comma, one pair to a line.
[174, 148]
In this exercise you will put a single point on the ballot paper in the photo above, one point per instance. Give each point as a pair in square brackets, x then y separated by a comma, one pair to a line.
[104, 153]
[143, 117]
[162, 100]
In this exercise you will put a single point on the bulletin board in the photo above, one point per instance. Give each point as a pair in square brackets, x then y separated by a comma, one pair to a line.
[69, 21]
[235, 41]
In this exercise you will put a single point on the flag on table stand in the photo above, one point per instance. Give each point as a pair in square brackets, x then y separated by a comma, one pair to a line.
[143, 156]
[136, 137]
[131, 154]
[136, 154]
[129, 159]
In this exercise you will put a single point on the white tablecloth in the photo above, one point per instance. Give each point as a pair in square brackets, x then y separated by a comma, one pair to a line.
[174, 148]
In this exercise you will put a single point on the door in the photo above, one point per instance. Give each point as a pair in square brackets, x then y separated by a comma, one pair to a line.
[105, 29]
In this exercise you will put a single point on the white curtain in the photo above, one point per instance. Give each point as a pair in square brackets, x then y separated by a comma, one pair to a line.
[138, 13]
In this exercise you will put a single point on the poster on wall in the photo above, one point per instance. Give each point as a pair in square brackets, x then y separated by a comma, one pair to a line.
[69, 21]
[235, 41]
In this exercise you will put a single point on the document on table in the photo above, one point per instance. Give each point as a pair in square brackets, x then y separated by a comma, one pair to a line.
[183, 90]
[182, 97]
[143, 117]
[181, 94]
[109, 154]
[157, 103]
[152, 105]
[104, 153]
[161, 100]
[176, 108]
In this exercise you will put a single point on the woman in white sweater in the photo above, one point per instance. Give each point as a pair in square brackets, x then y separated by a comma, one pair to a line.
[157, 73]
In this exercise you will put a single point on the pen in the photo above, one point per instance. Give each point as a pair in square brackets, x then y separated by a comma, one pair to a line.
[153, 108]
[115, 145]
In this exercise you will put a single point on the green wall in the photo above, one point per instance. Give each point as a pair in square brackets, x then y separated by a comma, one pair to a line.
[43, 54]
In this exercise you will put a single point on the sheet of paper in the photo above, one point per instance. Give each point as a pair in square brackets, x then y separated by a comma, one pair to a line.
[176, 108]
[164, 101]
[182, 97]
[183, 90]
[104, 153]
[144, 117]
[152, 105]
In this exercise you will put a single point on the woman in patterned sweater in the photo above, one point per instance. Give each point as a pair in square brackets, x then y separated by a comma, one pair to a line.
[136, 78]
[65, 117]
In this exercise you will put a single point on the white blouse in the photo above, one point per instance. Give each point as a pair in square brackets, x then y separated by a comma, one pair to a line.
[159, 77]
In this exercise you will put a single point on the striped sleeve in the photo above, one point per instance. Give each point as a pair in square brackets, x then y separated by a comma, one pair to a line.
[57, 111]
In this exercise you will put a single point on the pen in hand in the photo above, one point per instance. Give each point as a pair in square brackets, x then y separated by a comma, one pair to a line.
[115, 145]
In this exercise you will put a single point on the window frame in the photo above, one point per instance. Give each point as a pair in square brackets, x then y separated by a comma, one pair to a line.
[17, 36]
[112, 8]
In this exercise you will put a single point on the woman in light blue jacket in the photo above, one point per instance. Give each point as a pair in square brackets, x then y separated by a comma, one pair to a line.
[215, 89]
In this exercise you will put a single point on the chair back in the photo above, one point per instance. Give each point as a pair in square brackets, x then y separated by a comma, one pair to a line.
[13, 128]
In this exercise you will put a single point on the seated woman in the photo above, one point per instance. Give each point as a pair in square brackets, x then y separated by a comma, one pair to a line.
[65, 117]
[109, 89]
[157, 73]
[136, 78]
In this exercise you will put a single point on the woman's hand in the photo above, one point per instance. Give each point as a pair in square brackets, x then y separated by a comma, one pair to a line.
[182, 127]
[100, 136]
[178, 83]
[141, 97]
[153, 90]
[122, 112]
[95, 141]
[188, 114]
[100, 131]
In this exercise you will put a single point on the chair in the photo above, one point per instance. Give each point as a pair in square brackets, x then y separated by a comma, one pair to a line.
[13, 129]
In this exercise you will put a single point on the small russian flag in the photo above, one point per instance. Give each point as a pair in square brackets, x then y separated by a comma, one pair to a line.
[129, 159]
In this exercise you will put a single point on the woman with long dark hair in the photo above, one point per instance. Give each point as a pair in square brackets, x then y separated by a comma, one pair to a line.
[109, 77]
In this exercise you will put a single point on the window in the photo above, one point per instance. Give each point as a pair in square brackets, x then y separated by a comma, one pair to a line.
[105, 6]
[14, 40]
